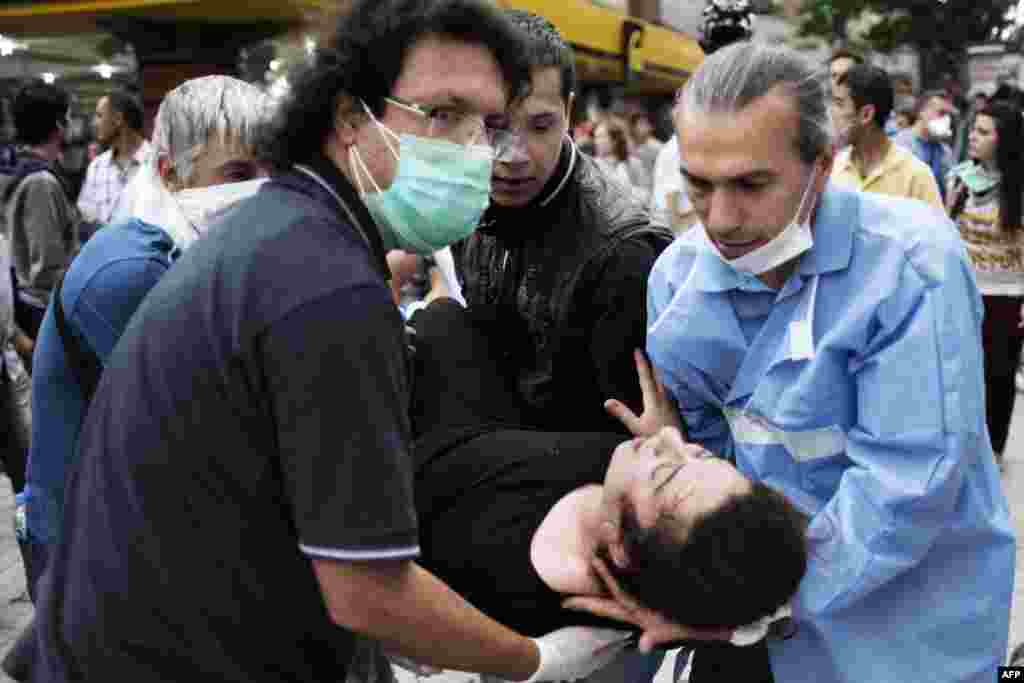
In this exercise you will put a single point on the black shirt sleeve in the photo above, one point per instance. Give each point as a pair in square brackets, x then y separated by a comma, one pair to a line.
[619, 310]
[337, 376]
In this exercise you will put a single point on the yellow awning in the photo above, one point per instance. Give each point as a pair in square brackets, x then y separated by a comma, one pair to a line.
[660, 59]
[85, 16]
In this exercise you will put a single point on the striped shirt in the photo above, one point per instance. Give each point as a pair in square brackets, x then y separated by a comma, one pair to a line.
[105, 180]
[997, 254]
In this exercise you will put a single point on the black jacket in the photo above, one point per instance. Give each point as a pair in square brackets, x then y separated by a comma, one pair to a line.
[562, 286]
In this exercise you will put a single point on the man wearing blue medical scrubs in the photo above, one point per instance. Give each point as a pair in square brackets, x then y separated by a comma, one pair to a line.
[828, 342]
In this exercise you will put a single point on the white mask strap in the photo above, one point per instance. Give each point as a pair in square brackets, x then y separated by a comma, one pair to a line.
[383, 129]
[806, 194]
[356, 159]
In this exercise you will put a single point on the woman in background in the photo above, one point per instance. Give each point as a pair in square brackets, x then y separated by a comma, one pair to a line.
[612, 147]
[984, 197]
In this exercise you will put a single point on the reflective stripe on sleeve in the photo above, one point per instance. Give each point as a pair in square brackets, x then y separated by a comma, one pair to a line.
[802, 445]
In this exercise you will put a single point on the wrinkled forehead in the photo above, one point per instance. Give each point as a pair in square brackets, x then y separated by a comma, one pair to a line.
[440, 68]
[762, 137]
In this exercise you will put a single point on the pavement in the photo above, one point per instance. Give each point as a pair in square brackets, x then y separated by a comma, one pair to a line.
[15, 610]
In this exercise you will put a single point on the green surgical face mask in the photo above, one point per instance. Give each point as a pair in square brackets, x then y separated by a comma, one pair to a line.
[438, 195]
[977, 179]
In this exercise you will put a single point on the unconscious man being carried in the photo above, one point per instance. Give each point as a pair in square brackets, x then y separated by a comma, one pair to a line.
[510, 517]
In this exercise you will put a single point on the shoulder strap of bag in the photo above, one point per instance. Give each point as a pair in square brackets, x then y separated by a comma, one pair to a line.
[84, 363]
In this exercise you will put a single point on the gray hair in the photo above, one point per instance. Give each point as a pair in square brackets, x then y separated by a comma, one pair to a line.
[218, 108]
[735, 76]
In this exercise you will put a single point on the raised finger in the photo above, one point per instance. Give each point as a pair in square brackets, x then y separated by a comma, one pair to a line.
[648, 386]
[623, 414]
[656, 385]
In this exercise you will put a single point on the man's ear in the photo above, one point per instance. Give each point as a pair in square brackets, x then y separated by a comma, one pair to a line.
[824, 163]
[866, 113]
[348, 117]
[168, 176]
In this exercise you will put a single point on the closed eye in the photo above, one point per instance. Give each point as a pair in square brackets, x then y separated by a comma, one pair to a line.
[698, 185]
[750, 185]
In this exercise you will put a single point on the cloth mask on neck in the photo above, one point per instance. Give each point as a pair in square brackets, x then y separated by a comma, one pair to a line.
[439, 192]
[793, 241]
[976, 177]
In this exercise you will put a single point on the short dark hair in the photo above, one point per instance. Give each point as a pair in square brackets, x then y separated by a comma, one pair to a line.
[365, 57]
[724, 22]
[870, 85]
[845, 53]
[128, 106]
[38, 109]
[545, 47]
[720, 575]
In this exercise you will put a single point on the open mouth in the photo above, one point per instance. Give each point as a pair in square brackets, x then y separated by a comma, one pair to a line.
[736, 245]
[736, 249]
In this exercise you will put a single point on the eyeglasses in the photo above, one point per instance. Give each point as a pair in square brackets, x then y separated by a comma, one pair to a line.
[455, 123]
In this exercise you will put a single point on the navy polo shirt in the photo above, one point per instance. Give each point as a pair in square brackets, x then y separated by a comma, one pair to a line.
[252, 417]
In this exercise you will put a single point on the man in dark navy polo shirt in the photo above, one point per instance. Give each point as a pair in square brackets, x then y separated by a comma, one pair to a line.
[242, 503]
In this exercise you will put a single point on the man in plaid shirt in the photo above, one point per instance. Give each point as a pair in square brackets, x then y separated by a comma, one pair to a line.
[118, 124]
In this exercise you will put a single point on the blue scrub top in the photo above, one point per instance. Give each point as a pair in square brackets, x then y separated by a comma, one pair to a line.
[874, 425]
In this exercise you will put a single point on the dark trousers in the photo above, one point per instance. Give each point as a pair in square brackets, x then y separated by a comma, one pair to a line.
[15, 424]
[1001, 342]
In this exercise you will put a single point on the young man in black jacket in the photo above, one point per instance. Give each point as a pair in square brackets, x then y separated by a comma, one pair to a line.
[557, 271]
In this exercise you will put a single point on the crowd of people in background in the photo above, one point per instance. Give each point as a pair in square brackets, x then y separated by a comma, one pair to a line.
[967, 159]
